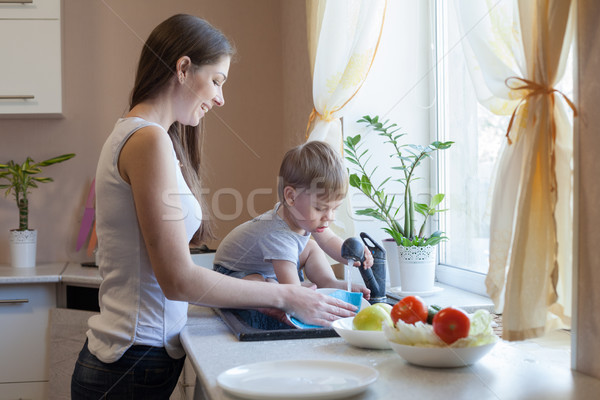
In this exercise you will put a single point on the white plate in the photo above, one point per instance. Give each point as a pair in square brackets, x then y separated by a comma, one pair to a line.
[364, 339]
[398, 291]
[297, 379]
[441, 357]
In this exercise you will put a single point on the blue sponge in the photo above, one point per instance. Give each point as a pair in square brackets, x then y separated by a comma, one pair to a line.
[354, 298]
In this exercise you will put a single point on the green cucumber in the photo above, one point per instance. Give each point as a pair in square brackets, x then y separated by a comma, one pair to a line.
[431, 311]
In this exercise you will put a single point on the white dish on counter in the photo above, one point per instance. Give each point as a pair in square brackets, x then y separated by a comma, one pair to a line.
[297, 379]
[364, 339]
[441, 357]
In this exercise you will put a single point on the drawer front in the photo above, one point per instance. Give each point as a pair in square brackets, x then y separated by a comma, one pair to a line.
[30, 9]
[24, 391]
[30, 72]
[24, 312]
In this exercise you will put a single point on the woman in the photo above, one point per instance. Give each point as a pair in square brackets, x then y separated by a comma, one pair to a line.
[147, 215]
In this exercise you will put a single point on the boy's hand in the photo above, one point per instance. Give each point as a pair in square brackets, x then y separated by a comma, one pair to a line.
[368, 263]
[278, 314]
[361, 288]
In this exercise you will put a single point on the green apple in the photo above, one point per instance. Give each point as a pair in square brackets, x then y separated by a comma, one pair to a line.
[385, 306]
[372, 318]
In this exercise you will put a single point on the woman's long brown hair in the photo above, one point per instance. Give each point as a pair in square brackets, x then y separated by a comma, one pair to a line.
[178, 36]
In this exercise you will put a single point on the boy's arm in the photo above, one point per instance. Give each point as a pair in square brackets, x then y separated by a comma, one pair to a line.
[332, 245]
[286, 271]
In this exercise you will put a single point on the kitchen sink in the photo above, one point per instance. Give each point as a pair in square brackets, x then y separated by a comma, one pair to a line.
[252, 325]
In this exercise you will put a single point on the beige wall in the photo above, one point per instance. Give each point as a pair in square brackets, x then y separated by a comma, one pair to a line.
[267, 103]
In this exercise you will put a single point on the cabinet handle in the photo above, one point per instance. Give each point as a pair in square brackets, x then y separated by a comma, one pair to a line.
[16, 1]
[13, 301]
[16, 96]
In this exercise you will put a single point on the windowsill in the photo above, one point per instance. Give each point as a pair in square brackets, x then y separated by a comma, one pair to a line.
[453, 296]
[460, 278]
[462, 288]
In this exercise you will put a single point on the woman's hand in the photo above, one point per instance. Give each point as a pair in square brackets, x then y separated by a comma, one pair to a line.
[315, 308]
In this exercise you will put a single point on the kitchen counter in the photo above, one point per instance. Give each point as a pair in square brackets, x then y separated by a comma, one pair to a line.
[46, 273]
[534, 369]
[75, 274]
[70, 273]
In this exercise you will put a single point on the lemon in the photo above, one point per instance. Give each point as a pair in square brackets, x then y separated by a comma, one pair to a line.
[372, 318]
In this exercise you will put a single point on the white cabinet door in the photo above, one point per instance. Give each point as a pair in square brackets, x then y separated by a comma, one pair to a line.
[67, 336]
[33, 390]
[24, 312]
[31, 66]
[30, 9]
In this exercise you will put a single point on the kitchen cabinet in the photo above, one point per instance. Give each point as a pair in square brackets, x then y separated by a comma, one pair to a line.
[24, 312]
[41, 334]
[30, 72]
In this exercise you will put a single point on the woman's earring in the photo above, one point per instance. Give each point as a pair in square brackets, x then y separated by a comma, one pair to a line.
[181, 78]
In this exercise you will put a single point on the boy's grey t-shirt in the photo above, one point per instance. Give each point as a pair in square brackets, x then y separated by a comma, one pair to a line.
[252, 245]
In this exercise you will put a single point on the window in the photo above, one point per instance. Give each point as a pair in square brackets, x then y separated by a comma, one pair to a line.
[466, 171]
[420, 81]
[400, 87]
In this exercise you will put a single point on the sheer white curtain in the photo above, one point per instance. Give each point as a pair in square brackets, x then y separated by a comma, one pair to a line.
[343, 37]
[516, 51]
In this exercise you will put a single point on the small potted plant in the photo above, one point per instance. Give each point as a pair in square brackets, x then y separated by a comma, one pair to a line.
[20, 180]
[416, 248]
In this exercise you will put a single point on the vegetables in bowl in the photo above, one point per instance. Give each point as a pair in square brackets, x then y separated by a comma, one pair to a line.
[419, 344]
[422, 334]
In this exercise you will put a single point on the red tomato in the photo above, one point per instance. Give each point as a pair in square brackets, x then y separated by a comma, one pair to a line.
[410, 310]
[451, 324]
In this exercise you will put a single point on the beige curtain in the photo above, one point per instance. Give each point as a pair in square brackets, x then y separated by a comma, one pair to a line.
[516, 51]
[343, 37]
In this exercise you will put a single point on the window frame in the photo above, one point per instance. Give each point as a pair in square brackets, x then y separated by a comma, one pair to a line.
[453, 275]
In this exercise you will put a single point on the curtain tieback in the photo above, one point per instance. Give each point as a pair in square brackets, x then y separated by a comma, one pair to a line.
[534, 89]
[327, 116]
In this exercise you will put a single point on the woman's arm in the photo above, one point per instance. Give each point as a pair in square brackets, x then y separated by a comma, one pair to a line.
[146, 162]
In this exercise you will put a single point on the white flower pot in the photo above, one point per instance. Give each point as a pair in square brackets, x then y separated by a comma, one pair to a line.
[23, 248]
[393, 272]
[417, 268]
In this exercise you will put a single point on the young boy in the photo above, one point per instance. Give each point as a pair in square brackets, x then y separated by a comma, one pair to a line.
[276, 245]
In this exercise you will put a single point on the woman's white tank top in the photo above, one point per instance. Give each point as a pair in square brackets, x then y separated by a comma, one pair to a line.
[133, 308]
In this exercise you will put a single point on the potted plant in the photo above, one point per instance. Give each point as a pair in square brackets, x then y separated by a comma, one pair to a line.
[20, 180]
[416, 248]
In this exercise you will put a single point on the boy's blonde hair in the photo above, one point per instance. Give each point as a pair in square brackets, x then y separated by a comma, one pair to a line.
[314, 165]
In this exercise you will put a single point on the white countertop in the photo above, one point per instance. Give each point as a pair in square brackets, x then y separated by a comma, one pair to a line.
[46, 273]
[75, 274]
[535, 369]
[70, 273]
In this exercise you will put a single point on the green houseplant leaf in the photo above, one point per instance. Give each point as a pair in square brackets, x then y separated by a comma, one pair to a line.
[19, 179]
[407, 157]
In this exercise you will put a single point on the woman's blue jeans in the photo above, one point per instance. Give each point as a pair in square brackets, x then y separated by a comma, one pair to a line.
[143, 372]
